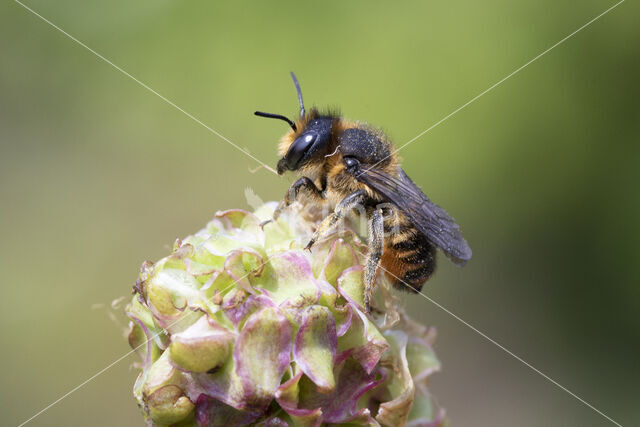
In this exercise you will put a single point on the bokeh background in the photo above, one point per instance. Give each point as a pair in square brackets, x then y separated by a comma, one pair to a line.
[97, 174]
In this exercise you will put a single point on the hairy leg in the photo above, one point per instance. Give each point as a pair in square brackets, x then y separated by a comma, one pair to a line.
[376, 249]
[303, 184]
[341, 210]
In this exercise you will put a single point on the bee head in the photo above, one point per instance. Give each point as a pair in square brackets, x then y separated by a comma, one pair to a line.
[309, 136]
[310, 141]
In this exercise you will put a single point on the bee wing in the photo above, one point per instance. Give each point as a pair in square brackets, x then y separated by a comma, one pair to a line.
[429, 218]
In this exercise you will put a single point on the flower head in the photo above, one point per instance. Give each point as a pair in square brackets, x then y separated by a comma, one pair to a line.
[241, 326]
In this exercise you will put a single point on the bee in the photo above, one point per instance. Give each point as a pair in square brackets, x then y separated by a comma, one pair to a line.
[349, 165]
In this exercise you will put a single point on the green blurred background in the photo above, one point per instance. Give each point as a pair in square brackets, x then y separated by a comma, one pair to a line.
[98, 174]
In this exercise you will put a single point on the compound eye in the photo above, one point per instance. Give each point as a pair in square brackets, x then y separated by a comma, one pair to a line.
[299, 148]
[350, 162]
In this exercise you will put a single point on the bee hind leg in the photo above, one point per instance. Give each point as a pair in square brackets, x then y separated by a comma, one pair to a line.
[376, 249]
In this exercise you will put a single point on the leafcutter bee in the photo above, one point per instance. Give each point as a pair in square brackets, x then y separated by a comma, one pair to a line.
[350, 164]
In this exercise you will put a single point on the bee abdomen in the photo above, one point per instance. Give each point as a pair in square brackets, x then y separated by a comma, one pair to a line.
[416, 277]
[409, 261]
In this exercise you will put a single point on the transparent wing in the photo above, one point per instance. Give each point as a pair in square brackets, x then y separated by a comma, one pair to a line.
[429, 218]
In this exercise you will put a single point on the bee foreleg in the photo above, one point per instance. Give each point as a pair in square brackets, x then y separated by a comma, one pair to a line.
[342, 209]
[376, 249]
[303, 184]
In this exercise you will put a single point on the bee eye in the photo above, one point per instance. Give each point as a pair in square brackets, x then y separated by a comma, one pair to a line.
[299, 148]
[350, 162]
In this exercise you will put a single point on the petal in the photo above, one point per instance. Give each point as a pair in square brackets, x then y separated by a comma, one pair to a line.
[286, 232]
[422, 359]
[341, 405]
[344, 320]
[168, 405]
[145, 337]
[401, 386]
[369, 354]
[238, 218]
[238, 306]
[341, 256]
[315, 346]
[143, 342]
[162, 373]
[168, 289]
[170, 292]
[287, 396]
[224, 385]
[240, 265]
[227, 384]
[295, 285]
[199, 270]
[424, 413]
[210, 412]
[201, 347]
[351, 285]
[262, 354]
[265, 211]
[180, 253]
[363, 341]
[203, 260]
[221, 244]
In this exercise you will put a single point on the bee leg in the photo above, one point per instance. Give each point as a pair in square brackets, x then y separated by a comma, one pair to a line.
[376, 249]
[303, 183]
[342, 209]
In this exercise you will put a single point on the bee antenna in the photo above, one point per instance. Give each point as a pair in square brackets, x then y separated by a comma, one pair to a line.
[295, 82]
[277, 116]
